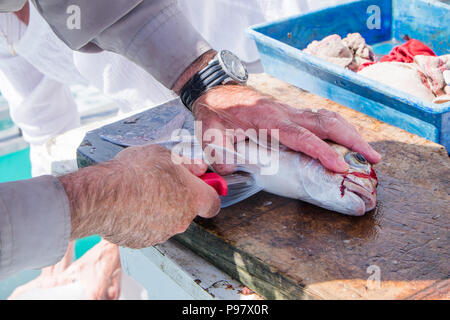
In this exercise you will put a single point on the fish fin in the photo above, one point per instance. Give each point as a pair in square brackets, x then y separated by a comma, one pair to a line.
[240, 187]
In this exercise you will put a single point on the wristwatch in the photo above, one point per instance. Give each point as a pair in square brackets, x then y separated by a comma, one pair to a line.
[223, 68]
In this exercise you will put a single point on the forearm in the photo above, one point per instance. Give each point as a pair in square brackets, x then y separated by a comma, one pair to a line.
[97, 192]
[140, 198]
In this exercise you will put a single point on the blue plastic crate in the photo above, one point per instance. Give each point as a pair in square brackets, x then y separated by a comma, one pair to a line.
[280, 43]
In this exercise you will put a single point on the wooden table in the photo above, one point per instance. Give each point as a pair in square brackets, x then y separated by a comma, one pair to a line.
[287, 249]
[283, 248]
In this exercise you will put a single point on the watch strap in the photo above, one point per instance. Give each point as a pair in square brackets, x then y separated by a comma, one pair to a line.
[197, 85]
[210, 76]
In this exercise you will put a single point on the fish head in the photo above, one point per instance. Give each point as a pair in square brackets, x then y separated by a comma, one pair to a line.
[352, 193]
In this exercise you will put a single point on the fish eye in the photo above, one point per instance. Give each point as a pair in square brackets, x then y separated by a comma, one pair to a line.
[360, 158]
[356, 160]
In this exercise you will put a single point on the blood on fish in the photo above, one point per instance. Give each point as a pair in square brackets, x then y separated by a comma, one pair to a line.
[372, 175]
[342, 188]
[359, 174]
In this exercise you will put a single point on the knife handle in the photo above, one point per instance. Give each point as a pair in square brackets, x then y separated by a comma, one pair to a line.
[216, 181]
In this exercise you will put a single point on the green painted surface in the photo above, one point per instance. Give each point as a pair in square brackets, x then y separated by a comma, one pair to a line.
[6, 124]
[83, 245]
[15, 166]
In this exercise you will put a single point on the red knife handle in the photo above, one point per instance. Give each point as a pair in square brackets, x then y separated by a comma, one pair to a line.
[217, 182]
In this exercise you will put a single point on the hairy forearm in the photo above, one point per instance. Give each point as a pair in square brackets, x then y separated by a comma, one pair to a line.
[93, 192]
[140, 198]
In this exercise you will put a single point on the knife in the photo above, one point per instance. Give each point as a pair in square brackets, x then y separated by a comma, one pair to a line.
[144, 129]
[232, 188]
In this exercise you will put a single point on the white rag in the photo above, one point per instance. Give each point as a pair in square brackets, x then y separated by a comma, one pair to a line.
[401, 76]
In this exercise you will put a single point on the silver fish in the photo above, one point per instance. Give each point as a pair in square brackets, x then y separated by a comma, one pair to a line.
[304, 178]
[298, 176]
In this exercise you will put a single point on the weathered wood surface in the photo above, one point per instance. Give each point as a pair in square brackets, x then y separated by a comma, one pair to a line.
[284, 248]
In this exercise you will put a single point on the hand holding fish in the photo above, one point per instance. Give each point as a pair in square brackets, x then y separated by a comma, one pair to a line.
[140, 198]
[304, 130]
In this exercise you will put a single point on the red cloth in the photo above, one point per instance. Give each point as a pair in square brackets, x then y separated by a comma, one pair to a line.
[407, 51]
[366, 64]
[404, 53]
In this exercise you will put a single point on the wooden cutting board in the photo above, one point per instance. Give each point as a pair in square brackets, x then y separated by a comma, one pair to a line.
[287, 249]
[283, 248]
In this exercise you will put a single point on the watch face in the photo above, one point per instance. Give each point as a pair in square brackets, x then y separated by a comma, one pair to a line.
[233, 66]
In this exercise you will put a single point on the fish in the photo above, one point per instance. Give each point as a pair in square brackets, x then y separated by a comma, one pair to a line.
[303, 178]
[298, 176]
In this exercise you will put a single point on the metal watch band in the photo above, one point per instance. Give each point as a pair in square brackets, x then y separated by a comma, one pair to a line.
[200, 82]
[210, 76]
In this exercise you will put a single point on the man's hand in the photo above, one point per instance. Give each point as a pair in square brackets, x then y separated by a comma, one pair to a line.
[241, 107]
[140, 198]
[98, 271]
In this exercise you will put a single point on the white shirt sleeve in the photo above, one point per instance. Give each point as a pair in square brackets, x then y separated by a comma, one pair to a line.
[152, 33]
[11, 5]
[34, 224]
